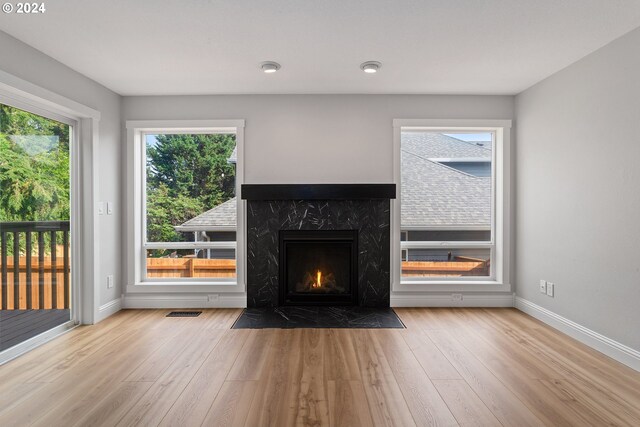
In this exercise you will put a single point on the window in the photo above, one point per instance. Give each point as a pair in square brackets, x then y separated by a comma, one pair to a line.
[450, 227]
[188, 208]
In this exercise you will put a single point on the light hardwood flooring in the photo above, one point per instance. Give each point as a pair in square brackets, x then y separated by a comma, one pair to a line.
[468, 367]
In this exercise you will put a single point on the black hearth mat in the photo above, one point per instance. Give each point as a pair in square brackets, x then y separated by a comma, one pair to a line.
[318, 317]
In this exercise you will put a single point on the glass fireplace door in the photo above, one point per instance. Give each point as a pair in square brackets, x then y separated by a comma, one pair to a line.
[318, 267]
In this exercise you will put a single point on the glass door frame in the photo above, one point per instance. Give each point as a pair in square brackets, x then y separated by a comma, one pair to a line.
[74, 195]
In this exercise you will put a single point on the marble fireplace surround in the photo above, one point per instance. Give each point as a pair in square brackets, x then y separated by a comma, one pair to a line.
[275, 207]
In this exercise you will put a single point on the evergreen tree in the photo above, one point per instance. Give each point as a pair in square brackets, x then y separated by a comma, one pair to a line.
[34, 170]
[186, 175]
[34, 175]
[193, 165]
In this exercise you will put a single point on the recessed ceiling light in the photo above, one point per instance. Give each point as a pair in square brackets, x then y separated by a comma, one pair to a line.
[269, 66]
[370, 67]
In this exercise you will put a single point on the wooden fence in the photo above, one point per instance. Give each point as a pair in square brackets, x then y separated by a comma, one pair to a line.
[220, 268]
[190, 267]
[455, 268]
[39, 287]
[54, 296]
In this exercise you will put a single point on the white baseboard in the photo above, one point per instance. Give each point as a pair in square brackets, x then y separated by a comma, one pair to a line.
[108, 309]
[611, 348]
[426, 300]
[183, 301]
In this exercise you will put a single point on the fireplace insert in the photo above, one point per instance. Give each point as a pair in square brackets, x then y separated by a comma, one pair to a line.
[318, 267]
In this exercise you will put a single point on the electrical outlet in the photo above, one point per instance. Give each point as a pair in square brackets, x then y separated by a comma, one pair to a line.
[213, 297]
[543, 286]
[110, 281]
[550, 289]
[456, 297]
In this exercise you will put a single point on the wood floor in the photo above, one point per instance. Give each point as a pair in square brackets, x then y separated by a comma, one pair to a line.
[468, 367]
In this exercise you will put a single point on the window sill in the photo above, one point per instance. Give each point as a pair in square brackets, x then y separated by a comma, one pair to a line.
[186, 287]
[451, 286]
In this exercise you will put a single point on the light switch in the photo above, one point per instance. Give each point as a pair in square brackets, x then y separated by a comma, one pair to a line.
[109, 208]
[550, 288]
[100, 208]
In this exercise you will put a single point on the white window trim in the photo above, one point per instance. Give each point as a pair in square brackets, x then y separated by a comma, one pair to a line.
[136, 218]
[500, 280]
[85, 293]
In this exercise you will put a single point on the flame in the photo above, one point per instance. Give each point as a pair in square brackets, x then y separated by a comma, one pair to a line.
[318, 283]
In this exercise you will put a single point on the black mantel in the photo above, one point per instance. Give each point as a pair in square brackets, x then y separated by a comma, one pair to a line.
[318, 191]
[275, 207]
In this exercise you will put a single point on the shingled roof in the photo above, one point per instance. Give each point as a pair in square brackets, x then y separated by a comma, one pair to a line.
[432, 194]
[437, 195]
[220, 218]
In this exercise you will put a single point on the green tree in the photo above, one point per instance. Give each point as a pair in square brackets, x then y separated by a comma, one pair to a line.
[186, 175]
[34, 174]
[34, 169]
[14, 121]
[193, 165]
[165, 212]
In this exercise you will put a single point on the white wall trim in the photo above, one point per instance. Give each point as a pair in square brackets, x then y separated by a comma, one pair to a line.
[37, 341]
[448, 124]
[500, 279]
[185, 125]
[184, 301]
[611, 348]
[43, 98]
[446, 300]
[136, 216]
[108, 309]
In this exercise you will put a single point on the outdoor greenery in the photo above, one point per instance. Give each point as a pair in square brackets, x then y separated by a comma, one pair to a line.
[34, 170]
[34, 167]
[186, 176]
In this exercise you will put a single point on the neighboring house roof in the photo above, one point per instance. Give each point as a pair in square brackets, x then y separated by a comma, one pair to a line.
[432, 194]
[220, 218]
[437, 145]
[439, 196]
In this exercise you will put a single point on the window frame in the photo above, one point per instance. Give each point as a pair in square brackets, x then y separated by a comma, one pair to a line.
[138, 245]
[499, 279]
[84, 240]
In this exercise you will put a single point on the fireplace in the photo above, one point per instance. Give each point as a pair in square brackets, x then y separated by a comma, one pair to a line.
[318, 267]
[334, 231]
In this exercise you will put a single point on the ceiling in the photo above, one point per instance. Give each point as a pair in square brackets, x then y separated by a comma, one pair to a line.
[159, 47]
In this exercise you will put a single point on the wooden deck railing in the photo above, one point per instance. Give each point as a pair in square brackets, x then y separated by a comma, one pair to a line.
[41, 277]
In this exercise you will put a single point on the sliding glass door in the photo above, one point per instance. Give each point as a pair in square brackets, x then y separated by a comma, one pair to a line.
[35, 215]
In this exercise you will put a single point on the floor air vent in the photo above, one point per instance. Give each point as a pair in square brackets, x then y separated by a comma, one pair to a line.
[184, 314]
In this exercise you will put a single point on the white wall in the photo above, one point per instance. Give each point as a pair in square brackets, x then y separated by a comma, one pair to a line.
[318, 138]
[29, 64]
[578, 191]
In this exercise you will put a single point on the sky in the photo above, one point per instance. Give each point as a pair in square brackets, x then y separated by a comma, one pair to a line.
[471, 137]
